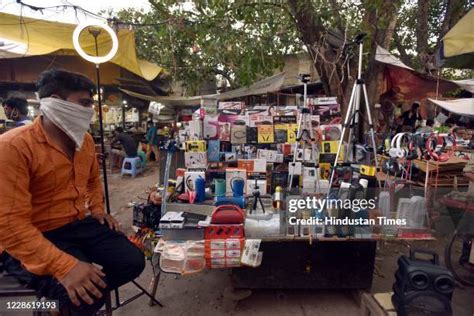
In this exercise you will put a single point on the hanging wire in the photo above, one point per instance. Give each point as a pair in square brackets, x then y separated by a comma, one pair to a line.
[23, 25]
[62, 6]
[118, 22]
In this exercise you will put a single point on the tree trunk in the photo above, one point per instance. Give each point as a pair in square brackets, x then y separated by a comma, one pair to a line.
[422, 26]
[327, 59]
[378, 22]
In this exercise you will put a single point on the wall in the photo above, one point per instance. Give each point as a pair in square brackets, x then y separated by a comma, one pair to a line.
[295, 65]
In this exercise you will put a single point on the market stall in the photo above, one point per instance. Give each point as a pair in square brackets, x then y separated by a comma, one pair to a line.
[230, 206]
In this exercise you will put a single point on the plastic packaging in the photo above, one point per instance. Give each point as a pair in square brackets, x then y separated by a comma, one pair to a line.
[182, 257]
[384, 203]
[413, 210]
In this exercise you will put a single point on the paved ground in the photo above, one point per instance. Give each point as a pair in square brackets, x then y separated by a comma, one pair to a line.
[202, 294]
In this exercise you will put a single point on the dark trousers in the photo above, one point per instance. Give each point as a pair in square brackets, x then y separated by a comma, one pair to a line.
[88, 241]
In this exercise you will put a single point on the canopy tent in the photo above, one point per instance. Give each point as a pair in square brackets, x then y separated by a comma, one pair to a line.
[408, 84]
[411, 79]
[382, 55]
[30, 37]
[457, 46]
[264, 86]
[464, 107]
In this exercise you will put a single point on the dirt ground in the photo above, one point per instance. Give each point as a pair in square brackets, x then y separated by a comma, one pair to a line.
[203, 294]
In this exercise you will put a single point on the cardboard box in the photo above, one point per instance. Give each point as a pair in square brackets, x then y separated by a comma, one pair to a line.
[325, 170]
[262, 186]
[310, 173]
[287, 149]
[238, 134]
[266, 134]
[195, 159]
[268, 155]
[295, 168]
[247, 164]
[190, 179]
[213, 151]
[231, 174]
[231, 105]
[180, 172]
[309, 186]
[252, 135]
[211, 128]
[224, 131]
[259, 165]
[368, 170]
[279, 158]
[307, 154]
[196, 146]
[292, 131]
[230, 157]
[195, 129]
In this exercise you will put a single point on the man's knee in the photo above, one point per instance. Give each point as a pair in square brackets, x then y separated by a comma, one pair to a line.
[133, 264]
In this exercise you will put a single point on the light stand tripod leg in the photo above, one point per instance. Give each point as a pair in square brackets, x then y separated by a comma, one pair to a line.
[354, 127]
[372, 133]
[346, 121]
[290, 175]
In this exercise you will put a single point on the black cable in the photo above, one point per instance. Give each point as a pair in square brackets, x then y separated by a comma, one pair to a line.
[118, 22]
[62, 6]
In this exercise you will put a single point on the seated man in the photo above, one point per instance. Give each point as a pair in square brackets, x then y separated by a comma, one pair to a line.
[16, 109]
[128, 144]
[50, 173]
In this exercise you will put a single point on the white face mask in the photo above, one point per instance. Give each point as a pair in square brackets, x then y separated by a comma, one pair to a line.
[73, 119]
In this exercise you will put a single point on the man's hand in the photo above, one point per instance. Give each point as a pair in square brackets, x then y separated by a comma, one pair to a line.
[100, 157]
[82, 281]
[107, 218]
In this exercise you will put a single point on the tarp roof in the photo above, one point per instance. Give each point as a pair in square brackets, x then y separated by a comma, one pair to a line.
[457, 46]
[382, 55]
[39, 37]
[463, 107]
[270, 84]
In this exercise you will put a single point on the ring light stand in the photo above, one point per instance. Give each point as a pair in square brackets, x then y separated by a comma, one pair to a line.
[97, 60]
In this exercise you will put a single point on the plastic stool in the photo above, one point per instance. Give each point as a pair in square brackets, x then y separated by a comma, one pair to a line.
[142, 156]
[134, 166]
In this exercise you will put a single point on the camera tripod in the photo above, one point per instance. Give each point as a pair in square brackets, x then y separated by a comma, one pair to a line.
[353, 110]
[257, 199]
[305, 132]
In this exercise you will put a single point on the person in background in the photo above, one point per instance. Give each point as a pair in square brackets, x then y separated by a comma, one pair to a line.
[410, 118]
[53, 226]
[152, 142]
[16, 109]
[129, 145]
[428, 128]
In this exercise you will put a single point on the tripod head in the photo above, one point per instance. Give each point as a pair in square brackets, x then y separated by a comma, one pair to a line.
[359, 39]
[304, 78]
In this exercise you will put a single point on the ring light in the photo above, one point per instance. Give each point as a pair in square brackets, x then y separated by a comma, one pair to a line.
[95, 59]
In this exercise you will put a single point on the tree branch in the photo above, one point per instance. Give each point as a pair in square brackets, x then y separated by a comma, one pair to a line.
[404, 57]
[422, 26]
[224, 74]
[336, 11]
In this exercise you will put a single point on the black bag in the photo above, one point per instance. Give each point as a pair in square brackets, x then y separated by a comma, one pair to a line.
[146, 215]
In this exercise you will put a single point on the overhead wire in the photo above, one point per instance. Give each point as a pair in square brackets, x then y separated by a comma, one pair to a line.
[61, 6]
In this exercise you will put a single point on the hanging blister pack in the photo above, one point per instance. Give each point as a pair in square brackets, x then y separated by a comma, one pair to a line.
[251, 255]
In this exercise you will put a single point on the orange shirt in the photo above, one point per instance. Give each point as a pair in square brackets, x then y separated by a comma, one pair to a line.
[41, 190]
